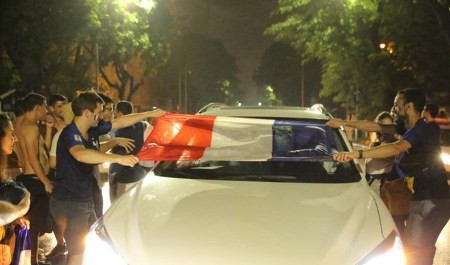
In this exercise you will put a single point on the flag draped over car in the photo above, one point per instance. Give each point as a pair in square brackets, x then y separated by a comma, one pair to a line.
[193, 137]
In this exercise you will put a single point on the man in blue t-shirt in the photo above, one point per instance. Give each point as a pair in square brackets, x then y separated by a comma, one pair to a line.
[419, 152]
[71, 204]
[134, 132]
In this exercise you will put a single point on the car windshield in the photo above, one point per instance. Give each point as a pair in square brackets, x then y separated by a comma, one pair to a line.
[301, 152]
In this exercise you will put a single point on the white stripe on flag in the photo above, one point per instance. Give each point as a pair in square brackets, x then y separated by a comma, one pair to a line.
[235, 138]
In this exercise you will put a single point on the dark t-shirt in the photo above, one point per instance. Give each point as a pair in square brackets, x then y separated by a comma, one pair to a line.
[423, 162]
[135, 132]
[74, 179]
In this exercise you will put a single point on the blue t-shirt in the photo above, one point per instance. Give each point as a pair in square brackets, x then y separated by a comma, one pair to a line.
[423, 162]
[134, 132]
[74, 179]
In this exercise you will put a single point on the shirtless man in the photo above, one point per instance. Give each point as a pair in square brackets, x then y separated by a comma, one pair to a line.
[35, 165]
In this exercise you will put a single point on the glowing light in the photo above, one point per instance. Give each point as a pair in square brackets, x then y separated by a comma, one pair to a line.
[445, 158]
[99, 252]
[147, 4]
[393, 256]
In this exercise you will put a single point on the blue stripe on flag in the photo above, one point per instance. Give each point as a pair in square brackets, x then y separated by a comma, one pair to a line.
[302, 140]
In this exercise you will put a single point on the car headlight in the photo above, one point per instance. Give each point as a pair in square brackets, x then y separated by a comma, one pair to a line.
[445, 158]
[99, 248]
[388, 252]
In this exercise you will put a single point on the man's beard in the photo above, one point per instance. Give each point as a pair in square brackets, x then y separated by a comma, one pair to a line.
[401, 124]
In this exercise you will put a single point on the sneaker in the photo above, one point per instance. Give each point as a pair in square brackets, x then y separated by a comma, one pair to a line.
[57, 251]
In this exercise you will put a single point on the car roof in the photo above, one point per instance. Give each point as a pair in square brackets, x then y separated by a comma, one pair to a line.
[289, 112]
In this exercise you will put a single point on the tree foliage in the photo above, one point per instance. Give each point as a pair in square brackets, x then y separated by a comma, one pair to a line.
[346, 36]
[283, 69]
[203, 67]
[53, 43]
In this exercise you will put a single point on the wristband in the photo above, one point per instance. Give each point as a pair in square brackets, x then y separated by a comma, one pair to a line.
[360, 154]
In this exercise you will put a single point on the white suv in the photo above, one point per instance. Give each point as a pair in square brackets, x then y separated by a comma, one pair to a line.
[298, 207]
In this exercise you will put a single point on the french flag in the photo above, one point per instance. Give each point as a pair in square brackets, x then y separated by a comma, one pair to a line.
[192, 137]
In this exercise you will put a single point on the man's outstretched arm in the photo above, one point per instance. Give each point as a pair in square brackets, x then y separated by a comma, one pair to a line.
[364, 125]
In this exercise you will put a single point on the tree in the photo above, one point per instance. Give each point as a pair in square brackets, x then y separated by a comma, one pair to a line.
[203, 67]
[281, 69]
[127, 32]
[53, 43]
[345, 37]
[38, 38]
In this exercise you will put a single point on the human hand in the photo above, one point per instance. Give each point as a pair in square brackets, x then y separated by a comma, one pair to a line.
[345, 156]
[23, 222]
[127, 160]
[335, 123]
[5, 254]
[156, 113]
[49, 121]
[48, 187]
[127, 144]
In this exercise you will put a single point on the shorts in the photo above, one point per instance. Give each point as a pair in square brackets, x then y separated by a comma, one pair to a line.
[34, 186]
[39, 212]
[77, 216]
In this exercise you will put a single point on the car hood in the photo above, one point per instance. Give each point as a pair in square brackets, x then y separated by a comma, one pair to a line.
[183, 221]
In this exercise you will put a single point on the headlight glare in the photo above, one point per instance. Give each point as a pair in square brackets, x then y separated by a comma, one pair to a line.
[99, 249]
[389, 252]
[445, 158]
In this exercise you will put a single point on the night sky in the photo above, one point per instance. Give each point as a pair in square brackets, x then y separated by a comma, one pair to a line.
[238, 23]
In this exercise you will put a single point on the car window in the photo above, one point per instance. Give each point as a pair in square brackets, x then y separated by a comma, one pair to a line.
[302, 153]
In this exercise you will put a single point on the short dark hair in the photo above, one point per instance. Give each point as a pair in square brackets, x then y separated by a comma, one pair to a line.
[55, 98]
[85, 100]
[19, 107]
[415, 96]
[124, 107]
[106, 99]
[432, 108]
[32, 100]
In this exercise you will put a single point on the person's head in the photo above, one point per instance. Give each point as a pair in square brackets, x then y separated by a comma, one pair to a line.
[88, 105]
[7, 136]
[430, 111]
[19, 107]
[123, 108]
[384, 117]
[108, 107]
[7, 141]
[408, 101]
[36, 103]
[55, 104]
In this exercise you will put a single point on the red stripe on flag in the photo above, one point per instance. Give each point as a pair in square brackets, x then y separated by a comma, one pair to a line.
[177, 136]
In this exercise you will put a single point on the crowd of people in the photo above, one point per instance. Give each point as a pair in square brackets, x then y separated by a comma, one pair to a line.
[58, 147]
[55, 147]
[414, 150]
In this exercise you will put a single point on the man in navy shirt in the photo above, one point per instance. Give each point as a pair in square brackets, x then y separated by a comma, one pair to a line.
[419, 152]
[135, 133]
[71, 204]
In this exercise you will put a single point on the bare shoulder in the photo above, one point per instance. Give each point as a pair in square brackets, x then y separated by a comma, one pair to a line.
[27, 129]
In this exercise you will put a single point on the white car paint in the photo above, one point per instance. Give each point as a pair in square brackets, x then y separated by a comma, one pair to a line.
[163, 220]
[183, 221]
